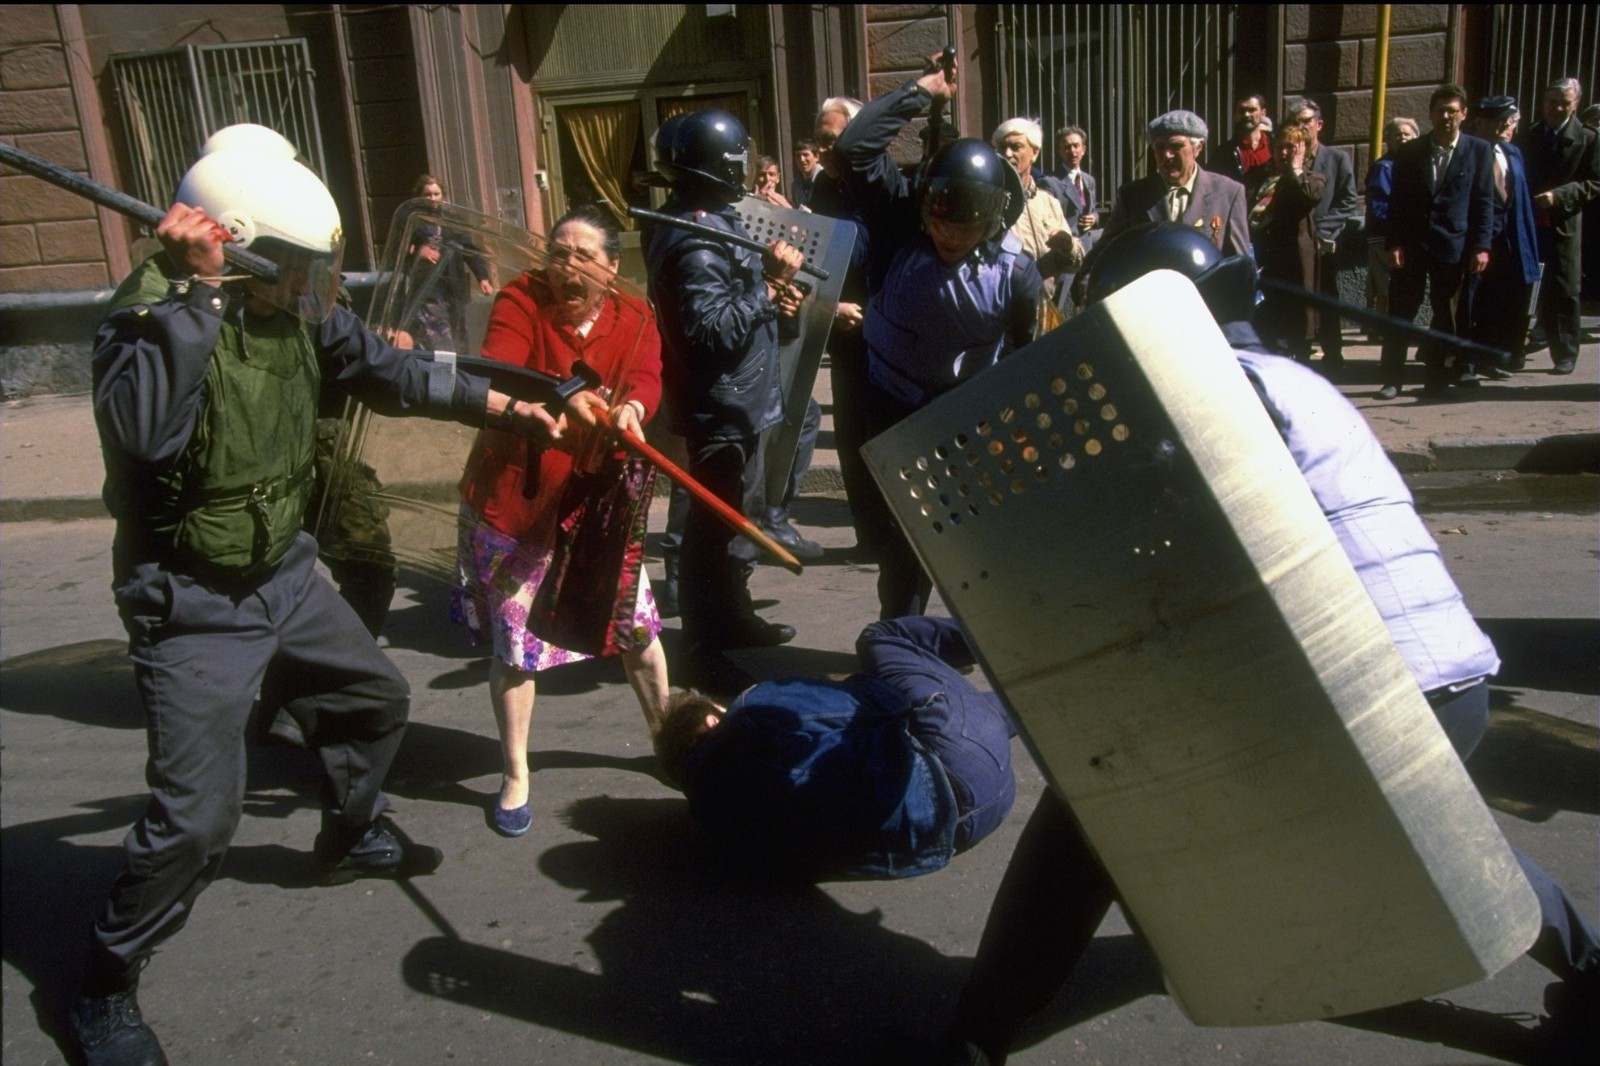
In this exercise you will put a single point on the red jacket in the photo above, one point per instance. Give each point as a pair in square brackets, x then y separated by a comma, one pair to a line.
[622, 346]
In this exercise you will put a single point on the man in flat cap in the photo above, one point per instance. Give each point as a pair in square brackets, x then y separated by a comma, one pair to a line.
[1500, 309]
[1180, 191]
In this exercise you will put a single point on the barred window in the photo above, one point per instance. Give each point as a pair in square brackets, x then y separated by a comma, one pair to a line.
[172, 100]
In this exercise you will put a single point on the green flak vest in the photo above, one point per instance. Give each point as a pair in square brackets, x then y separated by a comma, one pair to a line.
[233, 501]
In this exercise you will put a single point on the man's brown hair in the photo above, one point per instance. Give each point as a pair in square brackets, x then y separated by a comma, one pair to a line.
[683, 727]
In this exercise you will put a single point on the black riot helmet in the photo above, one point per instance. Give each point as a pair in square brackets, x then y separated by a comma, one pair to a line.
[967, 181]
[707, 148]
[1226, 283]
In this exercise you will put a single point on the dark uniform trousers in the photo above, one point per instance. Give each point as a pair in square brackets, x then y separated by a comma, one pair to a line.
[201, 653]
[904, 587]
[715, 561]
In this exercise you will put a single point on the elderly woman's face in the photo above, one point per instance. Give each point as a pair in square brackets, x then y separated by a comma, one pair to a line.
[579, 268]
[1018, 152]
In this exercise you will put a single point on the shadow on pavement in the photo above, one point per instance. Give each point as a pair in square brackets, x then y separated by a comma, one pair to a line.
[423, 623]
[90, 683]
[700, 962]
[1462, 1028]
[1556, 654]
[50, 892]
[1535, 765]
[1114, 971]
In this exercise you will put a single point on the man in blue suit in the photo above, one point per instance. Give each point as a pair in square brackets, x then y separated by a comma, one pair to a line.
[1441, 226]
[1500, 309]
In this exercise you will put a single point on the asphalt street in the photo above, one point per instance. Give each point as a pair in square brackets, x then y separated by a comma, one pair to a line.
[612, 932]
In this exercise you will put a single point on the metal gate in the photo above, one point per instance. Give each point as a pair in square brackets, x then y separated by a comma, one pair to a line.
[172, 100]
[1533, 44]
[1112, 68]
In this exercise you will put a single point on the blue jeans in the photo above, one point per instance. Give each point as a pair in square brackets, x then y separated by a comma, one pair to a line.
[968, 731]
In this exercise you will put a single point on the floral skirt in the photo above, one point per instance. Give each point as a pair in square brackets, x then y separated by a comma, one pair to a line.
[497, 578]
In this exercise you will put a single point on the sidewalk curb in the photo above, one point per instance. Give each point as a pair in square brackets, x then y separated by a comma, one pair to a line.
[1572, 453]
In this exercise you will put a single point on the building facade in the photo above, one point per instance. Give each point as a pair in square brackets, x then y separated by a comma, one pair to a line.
[522, 110]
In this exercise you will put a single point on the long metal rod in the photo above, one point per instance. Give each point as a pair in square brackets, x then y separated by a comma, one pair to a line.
[1379, 320]
[136, 209]
[1380, 80]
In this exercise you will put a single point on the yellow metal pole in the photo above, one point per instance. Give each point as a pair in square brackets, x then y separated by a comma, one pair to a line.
[1380, 80]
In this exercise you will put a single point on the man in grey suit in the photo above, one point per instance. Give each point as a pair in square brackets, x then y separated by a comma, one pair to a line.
[1337, 206]
[1179, 191]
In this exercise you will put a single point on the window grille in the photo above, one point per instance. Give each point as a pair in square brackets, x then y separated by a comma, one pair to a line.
[1111, 68]
[1533, 44]
[172, 100]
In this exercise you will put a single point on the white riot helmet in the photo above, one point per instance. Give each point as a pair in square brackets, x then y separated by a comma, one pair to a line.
[249, 182]
[249, 137]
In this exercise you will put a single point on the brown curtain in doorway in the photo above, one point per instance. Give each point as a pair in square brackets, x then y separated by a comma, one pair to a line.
[604, 137]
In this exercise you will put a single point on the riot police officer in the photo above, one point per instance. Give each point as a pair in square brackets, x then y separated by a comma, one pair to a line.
[205, 396]
[718, 309]
[1056, 891]
[953, 290]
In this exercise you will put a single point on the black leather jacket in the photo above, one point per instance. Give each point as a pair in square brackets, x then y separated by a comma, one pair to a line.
[719, 331]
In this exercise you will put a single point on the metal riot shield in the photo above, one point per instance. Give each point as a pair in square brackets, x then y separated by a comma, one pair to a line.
[1150, 584]
[393, 484]
[826, 242]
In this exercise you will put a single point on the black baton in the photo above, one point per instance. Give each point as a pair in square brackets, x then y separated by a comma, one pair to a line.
[1379, 320]
[134, 208]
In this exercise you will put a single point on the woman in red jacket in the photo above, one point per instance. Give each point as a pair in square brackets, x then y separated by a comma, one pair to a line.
[521, 500]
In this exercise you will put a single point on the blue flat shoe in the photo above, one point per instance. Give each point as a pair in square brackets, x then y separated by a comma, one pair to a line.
[509, 823]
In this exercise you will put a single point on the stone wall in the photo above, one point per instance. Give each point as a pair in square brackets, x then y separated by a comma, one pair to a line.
[900, 38]
[1330, 55]
[50, 239]
[382, 80]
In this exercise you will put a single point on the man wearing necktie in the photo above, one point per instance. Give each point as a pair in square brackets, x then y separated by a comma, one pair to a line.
[1441, 223]
[1073, 185]
[1500, 308]
[1564, 172]
[1180, 191]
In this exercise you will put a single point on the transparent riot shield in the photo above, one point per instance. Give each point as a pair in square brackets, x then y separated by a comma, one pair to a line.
[1150, 584]
[455, 283]
[826, 243]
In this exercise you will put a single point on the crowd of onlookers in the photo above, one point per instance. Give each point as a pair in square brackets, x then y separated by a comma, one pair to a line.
[1473, 216]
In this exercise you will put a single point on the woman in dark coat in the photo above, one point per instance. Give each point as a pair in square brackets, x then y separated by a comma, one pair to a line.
[1285, 238]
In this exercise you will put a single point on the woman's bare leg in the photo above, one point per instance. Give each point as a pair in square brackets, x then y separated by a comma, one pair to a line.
[511, 691]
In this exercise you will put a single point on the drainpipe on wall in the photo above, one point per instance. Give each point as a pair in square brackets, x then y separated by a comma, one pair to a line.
[1380, 81]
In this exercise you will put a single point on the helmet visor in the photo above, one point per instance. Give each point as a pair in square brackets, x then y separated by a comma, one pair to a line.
[308, 281]
[961, 201]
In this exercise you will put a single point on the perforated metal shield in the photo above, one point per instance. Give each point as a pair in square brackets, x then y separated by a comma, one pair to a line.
[826, 243]
[1193, 661]
[391, 484]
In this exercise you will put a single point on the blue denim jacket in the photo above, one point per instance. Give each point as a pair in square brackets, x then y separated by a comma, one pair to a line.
[823, 779]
